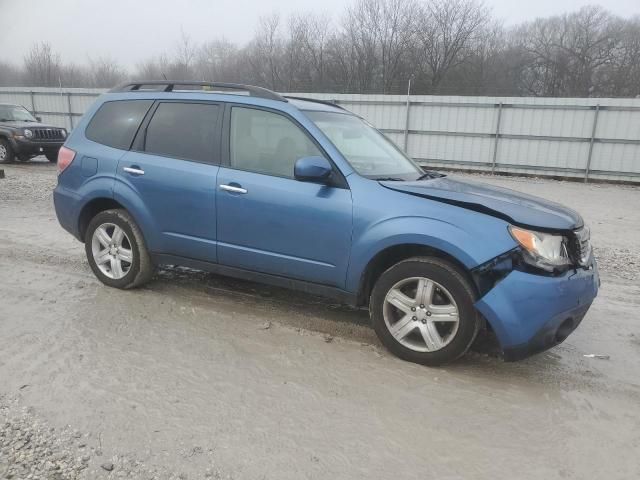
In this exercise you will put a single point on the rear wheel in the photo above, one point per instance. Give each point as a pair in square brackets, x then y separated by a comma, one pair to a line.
[6, 152]
[422, 310]
[116, 250]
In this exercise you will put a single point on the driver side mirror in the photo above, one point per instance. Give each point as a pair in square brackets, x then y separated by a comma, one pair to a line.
[39, 119]
[312, 169]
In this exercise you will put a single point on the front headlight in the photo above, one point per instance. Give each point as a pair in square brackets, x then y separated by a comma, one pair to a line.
[63, 132]
[28, 133]
[542, 250]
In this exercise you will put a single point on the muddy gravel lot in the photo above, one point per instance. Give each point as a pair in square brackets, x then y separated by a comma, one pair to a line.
[198, 376]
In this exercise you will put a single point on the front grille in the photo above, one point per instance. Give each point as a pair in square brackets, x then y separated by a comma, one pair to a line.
[47, 134]
[580, 246]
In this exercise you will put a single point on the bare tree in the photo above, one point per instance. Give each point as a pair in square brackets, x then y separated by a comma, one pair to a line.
[451, 46]
[265, 52]
[447, 28]
[590, 38]
[9, 74]
[183, 64]
[42, 66]
[625, 79]
[105, 72]
[217, 61]
[154, 68]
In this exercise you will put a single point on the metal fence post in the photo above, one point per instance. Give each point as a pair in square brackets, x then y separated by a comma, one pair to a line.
[406, 118]
[593, 136]
[69, 110]
[33, 102]
[495, 141]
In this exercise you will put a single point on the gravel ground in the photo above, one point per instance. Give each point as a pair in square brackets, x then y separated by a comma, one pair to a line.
[31, 449]
[198, 376]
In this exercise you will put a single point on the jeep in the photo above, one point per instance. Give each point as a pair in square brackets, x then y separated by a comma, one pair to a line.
[23, 137]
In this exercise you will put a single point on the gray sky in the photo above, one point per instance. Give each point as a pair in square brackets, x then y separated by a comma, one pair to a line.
[129, 31]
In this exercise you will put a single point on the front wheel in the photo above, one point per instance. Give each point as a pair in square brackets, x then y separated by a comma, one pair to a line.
[422, 311]
[116, 250]
[6, 152]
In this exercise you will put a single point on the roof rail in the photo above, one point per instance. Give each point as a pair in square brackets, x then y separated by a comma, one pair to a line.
[333, 103]
[170, 86]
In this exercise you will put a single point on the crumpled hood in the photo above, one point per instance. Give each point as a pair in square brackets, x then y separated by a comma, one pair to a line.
[515, 207]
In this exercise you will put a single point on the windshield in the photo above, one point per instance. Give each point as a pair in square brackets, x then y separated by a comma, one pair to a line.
[15, 113]
[368, 151]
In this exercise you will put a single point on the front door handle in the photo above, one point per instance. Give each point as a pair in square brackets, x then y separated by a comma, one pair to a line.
[135, 170]
[231, 188]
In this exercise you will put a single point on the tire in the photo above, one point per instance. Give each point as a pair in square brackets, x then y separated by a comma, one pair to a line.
[52, 156]
[6, 152]
[135, 265]
[414, 338]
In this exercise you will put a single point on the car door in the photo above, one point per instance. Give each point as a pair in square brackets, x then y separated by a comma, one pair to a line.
[267, 220]
[171, 172]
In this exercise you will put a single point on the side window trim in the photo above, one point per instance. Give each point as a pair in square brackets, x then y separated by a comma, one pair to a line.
[225, 144]
[138, 144]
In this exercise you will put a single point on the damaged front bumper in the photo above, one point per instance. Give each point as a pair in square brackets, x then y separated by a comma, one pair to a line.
[530, 313]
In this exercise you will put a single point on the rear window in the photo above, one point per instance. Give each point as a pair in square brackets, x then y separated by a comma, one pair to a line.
[115, 123]
[183, 130]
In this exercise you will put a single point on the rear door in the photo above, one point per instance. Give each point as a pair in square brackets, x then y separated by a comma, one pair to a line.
[171, 174]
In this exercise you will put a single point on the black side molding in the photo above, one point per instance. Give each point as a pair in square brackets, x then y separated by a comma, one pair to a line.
[337, 294]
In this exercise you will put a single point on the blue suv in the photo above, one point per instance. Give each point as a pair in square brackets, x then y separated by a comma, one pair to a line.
[303, 194]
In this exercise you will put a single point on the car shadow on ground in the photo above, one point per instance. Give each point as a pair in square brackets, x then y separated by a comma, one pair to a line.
[560, 367]
[301, 310]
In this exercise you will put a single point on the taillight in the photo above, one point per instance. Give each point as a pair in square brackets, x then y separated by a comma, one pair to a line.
[65, 157]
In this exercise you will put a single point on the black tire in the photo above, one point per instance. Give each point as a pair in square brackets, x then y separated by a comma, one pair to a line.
[52, 156]
[455, 282]
[7, 155]
[141, 269]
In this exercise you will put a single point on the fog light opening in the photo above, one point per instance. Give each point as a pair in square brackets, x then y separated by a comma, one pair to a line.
[564, 330]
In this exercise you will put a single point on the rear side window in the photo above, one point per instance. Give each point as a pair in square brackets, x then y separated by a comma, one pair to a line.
[183, 130]
[115, 123]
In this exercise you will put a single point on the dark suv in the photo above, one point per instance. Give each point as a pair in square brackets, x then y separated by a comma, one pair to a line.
[22, 136]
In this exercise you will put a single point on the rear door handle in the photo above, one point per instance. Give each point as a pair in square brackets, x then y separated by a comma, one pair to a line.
[135, 170]
[231, 188]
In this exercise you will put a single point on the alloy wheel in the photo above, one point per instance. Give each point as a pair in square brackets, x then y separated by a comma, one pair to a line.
[421, 314]
[112, 250]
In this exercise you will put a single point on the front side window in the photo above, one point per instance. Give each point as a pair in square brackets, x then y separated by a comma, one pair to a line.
[183, 130]
[116, 123]
[368, 151]
[266, 142]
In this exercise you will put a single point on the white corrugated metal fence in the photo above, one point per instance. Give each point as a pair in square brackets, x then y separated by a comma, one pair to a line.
[595, 138]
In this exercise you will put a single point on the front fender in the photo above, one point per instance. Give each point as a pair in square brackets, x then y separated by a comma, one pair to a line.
[470, 243]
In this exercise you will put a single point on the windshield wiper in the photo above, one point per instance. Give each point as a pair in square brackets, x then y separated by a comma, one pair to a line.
[389, 179]
[430, 174]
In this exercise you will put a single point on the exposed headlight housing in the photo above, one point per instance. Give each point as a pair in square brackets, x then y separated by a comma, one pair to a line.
[28, 133]
[542, 250]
